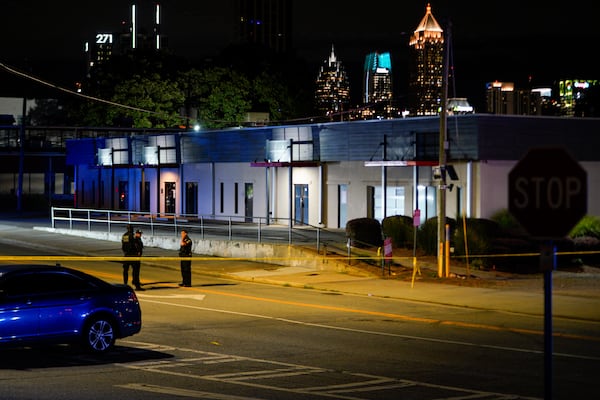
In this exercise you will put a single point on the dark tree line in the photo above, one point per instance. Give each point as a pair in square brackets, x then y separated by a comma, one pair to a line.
[149, 89]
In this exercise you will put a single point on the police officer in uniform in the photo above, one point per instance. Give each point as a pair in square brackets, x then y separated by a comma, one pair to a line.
[139, 249]
[185, 250]
[132, 247]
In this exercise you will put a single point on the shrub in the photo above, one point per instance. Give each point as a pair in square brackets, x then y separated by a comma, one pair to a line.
[585, 244]
[508, 223]
[588, 226]
[479, 234]
[364, 232]
[494, 245]
[400, 228]
[427, 238]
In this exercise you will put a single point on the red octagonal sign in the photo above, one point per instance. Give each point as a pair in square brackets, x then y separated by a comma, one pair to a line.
[547, 192]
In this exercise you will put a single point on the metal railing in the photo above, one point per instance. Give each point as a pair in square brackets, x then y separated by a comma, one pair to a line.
[220, 227]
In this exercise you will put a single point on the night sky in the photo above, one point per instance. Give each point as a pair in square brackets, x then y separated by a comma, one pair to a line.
[504, 40]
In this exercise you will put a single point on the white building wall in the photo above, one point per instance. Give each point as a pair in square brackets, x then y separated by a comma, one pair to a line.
[310, 176]
[492, 187]
[277, 179]
[14, 107]
[241, 173]
[488, 180]
[593, 187]
[202, 175]
[359, 178]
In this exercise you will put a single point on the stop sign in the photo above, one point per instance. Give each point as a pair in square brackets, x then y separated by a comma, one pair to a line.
[547, 192]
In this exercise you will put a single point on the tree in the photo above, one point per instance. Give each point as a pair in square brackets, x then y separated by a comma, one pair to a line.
[153, 93]
[270, 94]
[48, 112]
[152, 101]
[223, 97]
[190, 84]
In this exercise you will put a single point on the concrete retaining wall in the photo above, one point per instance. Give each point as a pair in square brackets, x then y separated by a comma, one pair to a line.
[270, 253]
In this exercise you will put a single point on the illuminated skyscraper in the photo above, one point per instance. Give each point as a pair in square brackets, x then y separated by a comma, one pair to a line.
[574, 97]
[265, 22]
[426, 69]
[133, 35]
[377, 86]
[332, 87]
[101, 50]
[500, 97]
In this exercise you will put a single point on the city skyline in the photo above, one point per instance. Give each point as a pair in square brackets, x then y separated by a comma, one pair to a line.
[509, 44]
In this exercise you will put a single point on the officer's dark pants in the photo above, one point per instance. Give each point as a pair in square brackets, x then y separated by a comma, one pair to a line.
[135, 272]
[186, 272]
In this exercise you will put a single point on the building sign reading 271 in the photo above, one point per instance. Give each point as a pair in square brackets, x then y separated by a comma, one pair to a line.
[104, 38]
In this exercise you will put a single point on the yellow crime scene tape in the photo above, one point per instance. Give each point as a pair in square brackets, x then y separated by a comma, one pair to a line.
[267, 259]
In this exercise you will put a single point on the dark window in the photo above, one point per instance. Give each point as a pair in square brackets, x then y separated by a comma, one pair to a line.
[43, 282]
[222, 199]
[427, 146]
[235, 197]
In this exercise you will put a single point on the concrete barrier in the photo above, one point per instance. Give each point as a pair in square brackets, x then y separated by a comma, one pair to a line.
[269, 253]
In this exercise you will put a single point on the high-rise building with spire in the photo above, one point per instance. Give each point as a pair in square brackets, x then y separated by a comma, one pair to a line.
[426, 66]
[332, 95]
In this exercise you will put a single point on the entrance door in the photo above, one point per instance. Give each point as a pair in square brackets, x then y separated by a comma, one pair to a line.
[370, 202]
[249, 201]
[170, 197]
[191, 197]
[301, 204]
[144, 196]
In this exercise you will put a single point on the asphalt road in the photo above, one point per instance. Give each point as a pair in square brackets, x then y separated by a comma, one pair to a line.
[237, 339]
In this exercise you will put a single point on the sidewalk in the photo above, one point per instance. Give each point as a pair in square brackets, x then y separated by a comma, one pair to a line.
[575, 295]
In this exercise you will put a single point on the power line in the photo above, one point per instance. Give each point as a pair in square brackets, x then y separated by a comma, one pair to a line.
[71, 92]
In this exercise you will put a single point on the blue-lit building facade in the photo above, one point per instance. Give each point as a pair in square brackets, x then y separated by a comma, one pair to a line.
[324, 174]
[377, 86]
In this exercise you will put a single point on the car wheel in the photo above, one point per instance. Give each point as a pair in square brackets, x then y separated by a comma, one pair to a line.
[99, 335]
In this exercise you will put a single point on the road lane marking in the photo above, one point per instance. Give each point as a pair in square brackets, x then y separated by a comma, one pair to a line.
[171, 296]
[432, 321]
[339, 328]
[404, 317]
[345, 384]
[183, 392]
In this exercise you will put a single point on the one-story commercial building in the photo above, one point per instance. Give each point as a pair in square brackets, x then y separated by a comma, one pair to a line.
[328, 173]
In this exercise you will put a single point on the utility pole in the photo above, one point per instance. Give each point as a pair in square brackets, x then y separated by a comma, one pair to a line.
[21, 156]
[443, 148]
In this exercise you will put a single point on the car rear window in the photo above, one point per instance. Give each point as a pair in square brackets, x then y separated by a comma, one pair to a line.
[43, 282]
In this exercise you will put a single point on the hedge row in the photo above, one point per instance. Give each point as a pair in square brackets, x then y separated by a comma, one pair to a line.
[499, 242]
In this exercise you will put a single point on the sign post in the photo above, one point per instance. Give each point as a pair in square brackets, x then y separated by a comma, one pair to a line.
[388, 253]
[547, 194]
[416, 223]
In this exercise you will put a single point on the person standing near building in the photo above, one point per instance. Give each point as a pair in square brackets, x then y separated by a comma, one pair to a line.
[137, 265]
[131, 248]
[185, 250]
